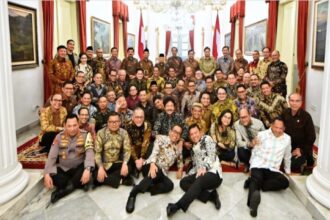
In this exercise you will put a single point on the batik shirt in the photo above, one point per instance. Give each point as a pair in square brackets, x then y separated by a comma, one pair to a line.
[162, 69]
[97, 91]
[112, 147]
[91, 109]
[165, 153]
[140, 139]
[130, 64]
[112, 63]
[50, 121]
[88, 71]
[191, 63]
[249, 104]
[139, 84]
[204, 155]
[239, 63]
[262, 67]
[252, 67]
[254, 92]
[201, 123]
[126, 117]
[100, 119]
[114, 86]
[99, 67]
[160, 83]
[147, 67]
[271, 107]
[276, 73]
[187, 102]
[60, 70]
[207, 65]
[218, 107]
[177, 64]
[164, 123]
[227, 137]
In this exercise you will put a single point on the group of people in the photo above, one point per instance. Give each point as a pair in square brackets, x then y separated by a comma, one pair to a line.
[108, 121]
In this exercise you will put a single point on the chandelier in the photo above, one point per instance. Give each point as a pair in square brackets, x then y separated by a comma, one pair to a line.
[188, 5]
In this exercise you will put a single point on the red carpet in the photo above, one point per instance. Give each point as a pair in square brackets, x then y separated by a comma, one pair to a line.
[28, 154]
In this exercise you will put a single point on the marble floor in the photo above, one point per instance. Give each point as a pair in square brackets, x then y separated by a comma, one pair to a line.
[107, 203]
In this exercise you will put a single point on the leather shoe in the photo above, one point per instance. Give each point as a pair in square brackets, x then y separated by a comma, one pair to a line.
[216, 200]
[171, 209]
[127, 181]
[254, 203]
[247, 183]
[130, 205]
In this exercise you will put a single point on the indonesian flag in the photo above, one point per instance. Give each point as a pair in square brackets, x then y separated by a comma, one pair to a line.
[141, 38]
[216, 39]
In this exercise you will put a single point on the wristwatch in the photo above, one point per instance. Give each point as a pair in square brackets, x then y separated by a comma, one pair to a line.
[88, 168]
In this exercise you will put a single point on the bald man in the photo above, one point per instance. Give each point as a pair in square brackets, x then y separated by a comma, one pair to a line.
[299, 125]
[276, 74]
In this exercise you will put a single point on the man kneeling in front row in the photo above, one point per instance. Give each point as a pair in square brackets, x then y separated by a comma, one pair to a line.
[273, 146]
[165, 152]
[70, 160]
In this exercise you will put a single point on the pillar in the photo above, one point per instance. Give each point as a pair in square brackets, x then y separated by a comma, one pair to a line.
[318, 183]
[12, 177]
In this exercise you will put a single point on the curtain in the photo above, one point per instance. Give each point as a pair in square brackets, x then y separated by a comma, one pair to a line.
[302, 46]
[125, 20]
[241, 14]
[82, 24]
[48, 22]
[191, 39]
[272, 23]
[116, 13]
[167, 42]
[232, 31]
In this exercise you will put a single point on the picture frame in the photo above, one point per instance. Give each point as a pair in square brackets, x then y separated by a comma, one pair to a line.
[227, 39]
[23, 36]
[255, 37]
[130, 40]
[319, 33]
[100, 31]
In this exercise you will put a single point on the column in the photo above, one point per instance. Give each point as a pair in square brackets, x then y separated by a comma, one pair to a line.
[12, 177]
[318, 183]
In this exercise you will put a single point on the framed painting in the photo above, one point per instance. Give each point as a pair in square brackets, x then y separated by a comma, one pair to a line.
[319, 33]
[255, 37]
[23, 36]
[130, 40]
[100, 31]
[227, 39]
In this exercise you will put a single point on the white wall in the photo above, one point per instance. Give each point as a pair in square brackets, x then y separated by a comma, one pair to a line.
[28, 83]
[314, 77]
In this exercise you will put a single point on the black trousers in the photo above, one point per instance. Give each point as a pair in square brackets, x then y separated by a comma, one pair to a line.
[226, 155]
[266, 180]
[244, 155]
[198, 188]
[158, 185]
[132, 162]
[296, 163]
[113, 175]
[62, 178]
[47, 141]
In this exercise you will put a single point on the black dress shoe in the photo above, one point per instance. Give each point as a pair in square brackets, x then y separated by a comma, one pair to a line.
[55, 196]
[128, 181]
[60, 193]
[247, 183]
[254, 203]
[130, 205]
[171, 209]
[215, 199]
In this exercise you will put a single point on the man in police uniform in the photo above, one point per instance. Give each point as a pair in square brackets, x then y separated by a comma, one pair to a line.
[70, 160]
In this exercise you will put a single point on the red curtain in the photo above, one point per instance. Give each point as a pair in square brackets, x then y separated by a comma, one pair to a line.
[232, 31]
[116, 13]
[272, 23]
[125, 20]
[191, 39]
[82, 24]
[48, 22]
[167, 42]
[241, 15]
[302, 46]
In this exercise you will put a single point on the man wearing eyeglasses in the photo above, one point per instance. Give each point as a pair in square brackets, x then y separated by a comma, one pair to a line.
[112, 153]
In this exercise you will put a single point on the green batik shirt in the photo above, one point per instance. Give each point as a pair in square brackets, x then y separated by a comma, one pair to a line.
[217, 108]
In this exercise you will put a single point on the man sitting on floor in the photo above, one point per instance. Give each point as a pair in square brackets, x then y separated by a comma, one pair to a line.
[273, 146]
[112, 153]
[165, 152]
[299, 125]
[70, 160]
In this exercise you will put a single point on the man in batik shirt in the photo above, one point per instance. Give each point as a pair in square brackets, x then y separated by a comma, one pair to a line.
[130, 64]
[262, 67]
[207, 63]
[60, 70]
[191, 62]
[240, 61]
[176, 62]
[99, 64]
[100, 118]
[161, 65]
[113, 63]
[146, 64]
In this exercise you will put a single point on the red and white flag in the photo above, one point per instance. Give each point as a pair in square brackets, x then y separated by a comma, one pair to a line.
[216, 39]
[141, 38]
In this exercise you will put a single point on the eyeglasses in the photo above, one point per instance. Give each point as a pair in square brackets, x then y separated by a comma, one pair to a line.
[113, 122]
[57, 100]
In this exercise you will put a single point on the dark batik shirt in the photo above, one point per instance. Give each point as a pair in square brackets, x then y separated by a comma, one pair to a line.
[147, 67]
[100, 119]
[147, 111]
[177, 64]
[300, 127]
[164, 123]
[239, 63]
[112, 63]
[161, 67]
[130, 64]
[276, 73]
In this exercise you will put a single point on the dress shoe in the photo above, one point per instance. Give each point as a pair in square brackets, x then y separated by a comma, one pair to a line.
[171, 209]
[247, 183]
[130, 205]
[215, 199]
[128, 181]
[254, 203]
[60, 193]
